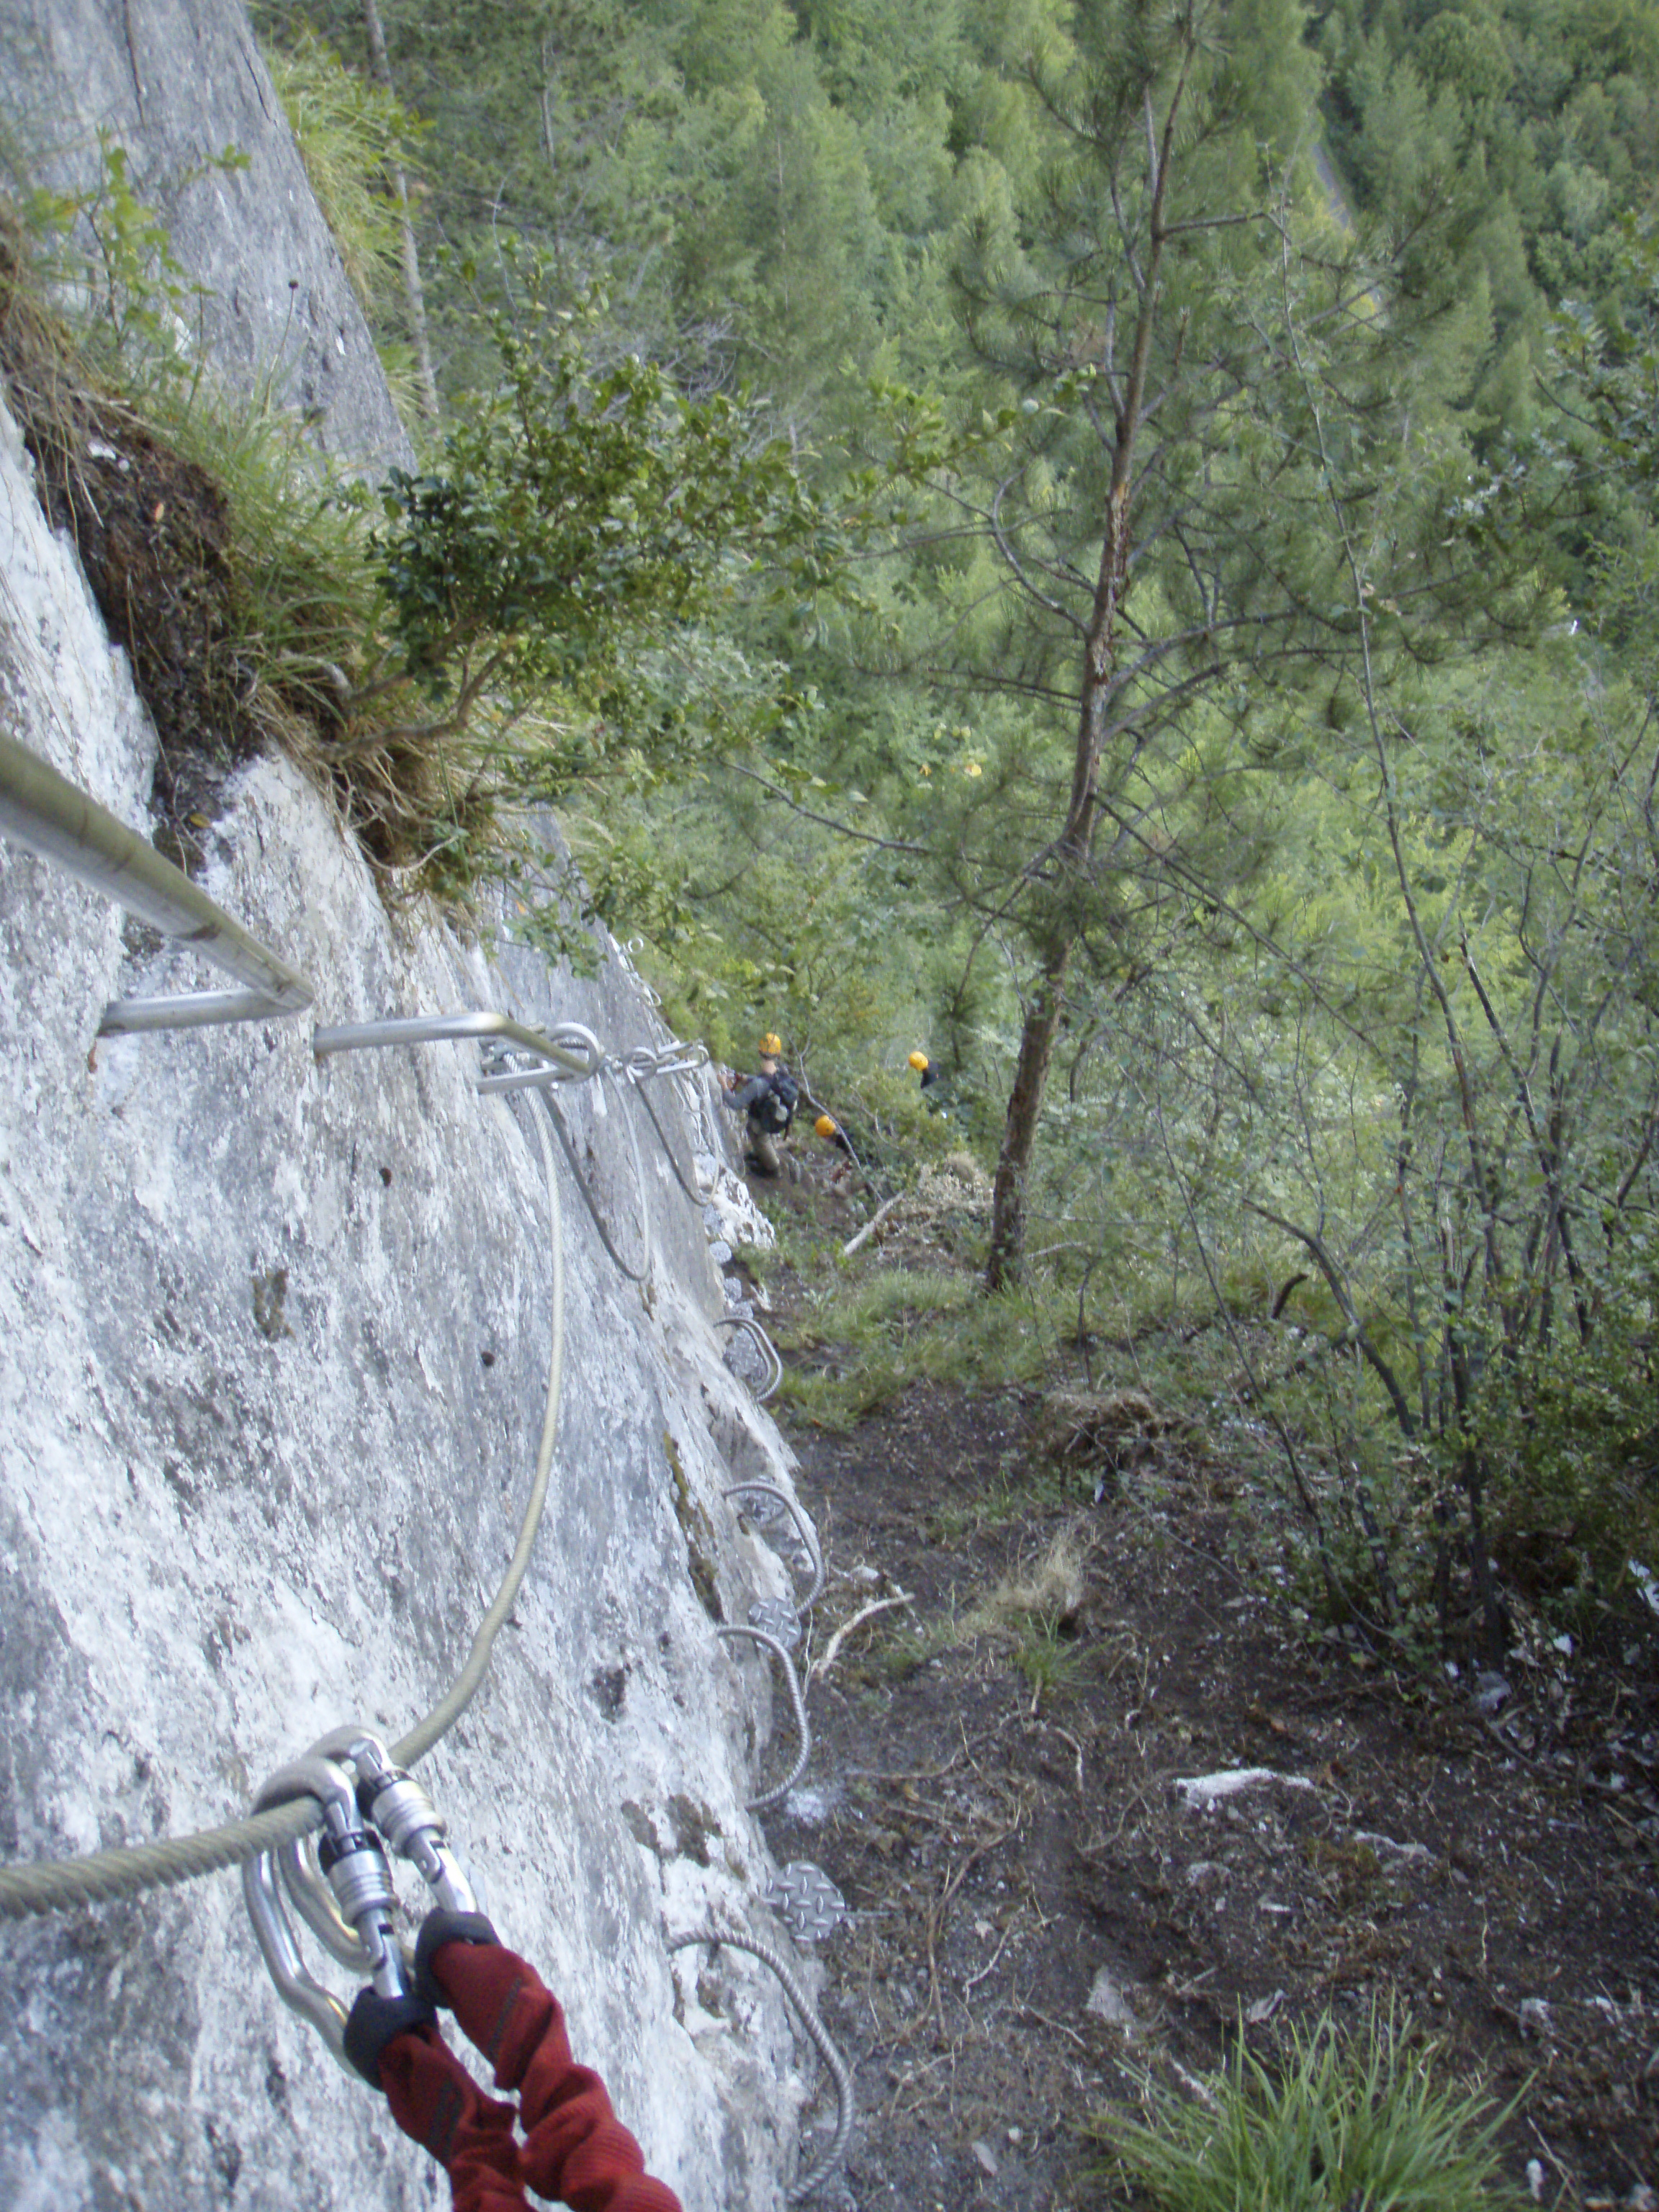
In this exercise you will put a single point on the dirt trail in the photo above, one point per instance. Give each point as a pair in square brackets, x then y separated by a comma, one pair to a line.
[1043, 1903]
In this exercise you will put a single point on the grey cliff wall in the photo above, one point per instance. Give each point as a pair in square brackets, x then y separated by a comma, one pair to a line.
[274, 1347]
[175, 82]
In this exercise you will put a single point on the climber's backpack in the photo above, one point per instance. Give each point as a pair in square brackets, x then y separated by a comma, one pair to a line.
[775, 1109]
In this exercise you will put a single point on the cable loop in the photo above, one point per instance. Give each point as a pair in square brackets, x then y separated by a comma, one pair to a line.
[808, 1533]
[634, 1275]
[840, 2072]
[698, 1198]
[781, 1652]
[768, 1351]
[570, 1053]
[673, 1058]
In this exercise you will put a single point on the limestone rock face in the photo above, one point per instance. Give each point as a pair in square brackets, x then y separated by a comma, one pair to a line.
[175, 84]
[275, 1342]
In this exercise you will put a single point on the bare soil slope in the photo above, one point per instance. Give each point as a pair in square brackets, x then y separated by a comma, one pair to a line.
[1046, 1905]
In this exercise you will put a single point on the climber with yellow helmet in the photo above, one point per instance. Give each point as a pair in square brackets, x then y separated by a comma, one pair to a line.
[769, 1099]
[931, 1076]
[833, 1134]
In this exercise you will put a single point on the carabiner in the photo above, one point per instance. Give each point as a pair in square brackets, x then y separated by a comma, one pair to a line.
[342, 1885]
[400, 1808]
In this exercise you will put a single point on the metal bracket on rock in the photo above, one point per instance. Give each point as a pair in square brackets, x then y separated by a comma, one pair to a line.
[54, 818]
[566, 1054]
[806, 1901]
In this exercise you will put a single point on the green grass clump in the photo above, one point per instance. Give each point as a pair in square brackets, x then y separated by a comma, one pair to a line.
[839, 1401]
[895, 1303]
[1048, 1659]
[352, 137]
[896, 1328]
[1349, 2124]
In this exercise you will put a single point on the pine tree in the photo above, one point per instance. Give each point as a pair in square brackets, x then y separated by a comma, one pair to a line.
[1193, 352]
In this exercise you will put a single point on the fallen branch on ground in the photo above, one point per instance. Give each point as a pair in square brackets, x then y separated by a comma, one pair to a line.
[869, 1228]
[832, 1649]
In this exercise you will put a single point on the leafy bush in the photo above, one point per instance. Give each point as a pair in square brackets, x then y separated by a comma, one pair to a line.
[524, 622]
[574, 523]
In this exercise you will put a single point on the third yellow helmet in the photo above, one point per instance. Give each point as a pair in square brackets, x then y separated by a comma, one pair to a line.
[771, 1045]
[920, 1061]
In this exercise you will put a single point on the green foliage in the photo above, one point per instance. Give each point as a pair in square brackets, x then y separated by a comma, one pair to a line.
[1048, 1659]
[1349, 2121]
[304, 597]
[1532, 127]
[351, 134]
[102, 257]
[1361, 976]
[568, 525]
[860, 1348]
[240, 523]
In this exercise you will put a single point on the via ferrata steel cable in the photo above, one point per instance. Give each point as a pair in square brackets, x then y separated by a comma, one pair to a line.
[781, 1652]
[698, 1198]
[60, 1885]
[634, 1275]
[840, 2073]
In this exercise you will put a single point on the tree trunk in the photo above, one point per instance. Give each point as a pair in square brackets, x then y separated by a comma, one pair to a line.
[414, 296]
[1037, 1045]
[1072, 851]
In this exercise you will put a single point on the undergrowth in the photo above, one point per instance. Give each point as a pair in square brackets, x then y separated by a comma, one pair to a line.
[468, 644]
[1351, 2122]
[350, 135]
[857, 1349]
[228, 555]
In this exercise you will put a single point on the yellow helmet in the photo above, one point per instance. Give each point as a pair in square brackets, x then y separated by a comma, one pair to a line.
[920, 1061]
[771, 1045]
[825, 1127]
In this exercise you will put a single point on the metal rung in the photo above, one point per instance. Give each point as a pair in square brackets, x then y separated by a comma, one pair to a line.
[572, 1050]
[43, 811]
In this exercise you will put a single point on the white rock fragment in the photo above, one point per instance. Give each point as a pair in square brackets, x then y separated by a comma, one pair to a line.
[1492, 1693]
[1201, 1791]
[1108, 2002]
[1382, 1845]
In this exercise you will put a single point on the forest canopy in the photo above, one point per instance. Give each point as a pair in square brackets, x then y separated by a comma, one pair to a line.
[1168, 556]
